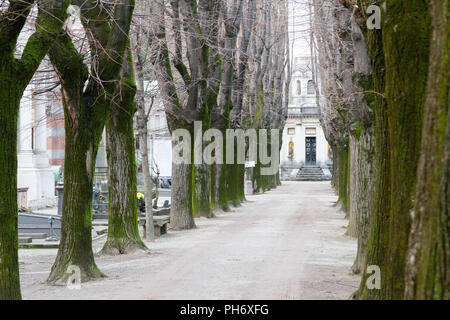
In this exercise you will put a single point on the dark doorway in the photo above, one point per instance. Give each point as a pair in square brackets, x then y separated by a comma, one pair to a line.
[310, 150]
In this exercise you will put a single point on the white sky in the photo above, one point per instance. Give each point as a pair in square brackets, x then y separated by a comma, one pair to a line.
[299, 27]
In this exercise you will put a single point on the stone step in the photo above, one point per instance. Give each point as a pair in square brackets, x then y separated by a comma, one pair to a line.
[33, 235]
[25, 239]
[311, 177]
[40, 245]
[310, 171]
[310, 174]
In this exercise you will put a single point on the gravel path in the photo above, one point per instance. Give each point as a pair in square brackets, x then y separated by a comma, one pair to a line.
[288, 243]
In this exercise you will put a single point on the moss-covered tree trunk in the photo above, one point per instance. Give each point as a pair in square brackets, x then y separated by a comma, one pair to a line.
[15, 75]
[361, 175]
[354, 146]
[428, 260]
[258, 181]
[234, 184]
[202, 179]
[214, 187]
[335, 168]
[361, 146]
[241, 182]
[222, 173]
[81, 144]
[86, 106]
[123, 232]
[9, 260]
[181, 211]
[75, 247]
[202, 191]
[403, 41]
[379, 218]
[344, 174]
[183, 201]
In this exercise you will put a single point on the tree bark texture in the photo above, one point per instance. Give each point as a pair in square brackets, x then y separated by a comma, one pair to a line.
[123, 232]
[15, 75]
[428, 259]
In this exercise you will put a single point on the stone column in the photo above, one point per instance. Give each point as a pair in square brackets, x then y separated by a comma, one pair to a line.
[34, 170]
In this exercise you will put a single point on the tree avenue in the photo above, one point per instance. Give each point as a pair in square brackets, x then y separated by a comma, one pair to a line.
[221, 73]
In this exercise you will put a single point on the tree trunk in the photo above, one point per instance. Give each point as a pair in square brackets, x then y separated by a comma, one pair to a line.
[241, 183]
[428, 260]
[233, 184]
[143, 136]
[256, 179]
[335, 169]
[86, 105]
[344, 175]
[148, 183]
[181, 211]
[214, 187]
[123, 231]
[15, 75]
[9, 259]
[378, 231]
[406, 76]
[75, 247]
[361, 191]
[83, 131]
[202, 191]
[354, 146]
[222, 174]
[402, 76]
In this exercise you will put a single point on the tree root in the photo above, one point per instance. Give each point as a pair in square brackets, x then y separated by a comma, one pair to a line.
[115, 247]
[60, 274]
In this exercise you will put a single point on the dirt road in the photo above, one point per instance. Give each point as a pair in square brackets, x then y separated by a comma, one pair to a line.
[288, 243]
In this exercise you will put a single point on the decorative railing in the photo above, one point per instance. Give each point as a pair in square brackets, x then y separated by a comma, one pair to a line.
[299, 112]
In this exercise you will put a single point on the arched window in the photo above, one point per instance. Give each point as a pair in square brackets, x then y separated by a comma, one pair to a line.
[299, 88]
[311, 87]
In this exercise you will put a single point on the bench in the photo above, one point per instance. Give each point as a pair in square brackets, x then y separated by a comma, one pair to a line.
[159, 225]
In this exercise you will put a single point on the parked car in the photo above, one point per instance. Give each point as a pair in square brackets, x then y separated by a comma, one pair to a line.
[165, 183]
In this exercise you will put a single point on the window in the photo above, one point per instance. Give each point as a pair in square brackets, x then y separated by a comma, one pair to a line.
[137, 140]
[33, 138]
[311, 89]
[299, 88]
[291, 131]
[310, 131]
[157, 122]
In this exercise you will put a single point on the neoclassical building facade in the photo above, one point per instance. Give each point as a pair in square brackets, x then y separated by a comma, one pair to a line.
[304, 143]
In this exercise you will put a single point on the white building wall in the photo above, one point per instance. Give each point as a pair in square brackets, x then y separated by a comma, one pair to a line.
[34, 171]
[299, 140]
[303, 115]
[162, 156]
